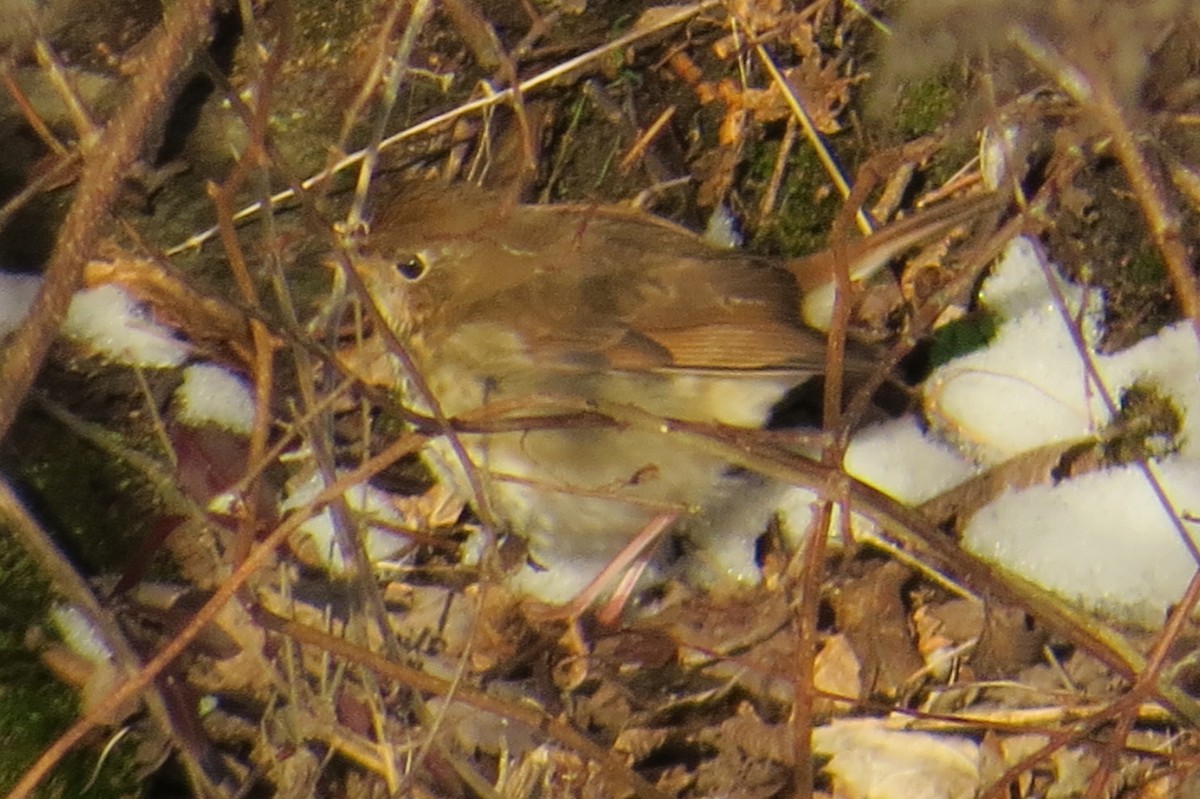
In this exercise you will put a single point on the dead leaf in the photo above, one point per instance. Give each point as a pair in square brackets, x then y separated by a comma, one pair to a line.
[870, 761]
[753, 758]
[870, 612]
[1008, 643]
[1069, 769]
[836, 671]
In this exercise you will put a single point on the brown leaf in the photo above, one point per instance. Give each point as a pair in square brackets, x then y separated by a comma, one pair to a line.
[870, 761]
[870, 612]
[1008, 643]
[753, 757]
[836, 671]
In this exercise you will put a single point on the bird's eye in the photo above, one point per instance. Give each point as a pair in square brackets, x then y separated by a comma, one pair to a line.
[411, 267]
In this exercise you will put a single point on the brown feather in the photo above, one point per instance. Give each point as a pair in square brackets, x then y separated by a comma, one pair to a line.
[596, 288]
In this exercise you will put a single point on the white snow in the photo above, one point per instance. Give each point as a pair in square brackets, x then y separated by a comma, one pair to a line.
[212, 395]
[1029, 387]
[721, 229]
[372, 506]
[1169, 363]
[899, 459]
[79, 634]
[107, 321]
[1103, 540]
[896, 457]
[104, 320]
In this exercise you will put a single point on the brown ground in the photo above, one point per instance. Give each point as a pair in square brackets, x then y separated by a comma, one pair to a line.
[430, 678]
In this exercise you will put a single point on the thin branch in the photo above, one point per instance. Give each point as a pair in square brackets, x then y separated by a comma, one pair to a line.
[202, 617]
[67, 581]
[505, 95]
[421, 10]
[612, 767]
[107, 158]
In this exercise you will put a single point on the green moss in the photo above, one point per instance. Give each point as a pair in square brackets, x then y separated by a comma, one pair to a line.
[98, 509]
[962, 336]
[35, 708]
[99, 506]
[924, 107]
[1146, 268]
[1147, 426]
[805, 208]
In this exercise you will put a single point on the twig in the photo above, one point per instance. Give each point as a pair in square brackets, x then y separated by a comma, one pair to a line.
[638, 149]
[107, 158]
[612, 767]
[537, 81]
[85, 128]
[771, 194]
[32, 117]
[811, 133]
[391, 91]
[202, 617]
[1087, 87]
[67, 581]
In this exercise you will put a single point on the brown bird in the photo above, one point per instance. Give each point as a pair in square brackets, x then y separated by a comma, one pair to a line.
[519, 305]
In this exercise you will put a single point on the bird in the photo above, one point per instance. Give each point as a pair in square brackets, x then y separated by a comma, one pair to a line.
[544, 307]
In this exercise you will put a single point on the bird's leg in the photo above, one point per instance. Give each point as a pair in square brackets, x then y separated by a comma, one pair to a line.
[630, 562]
